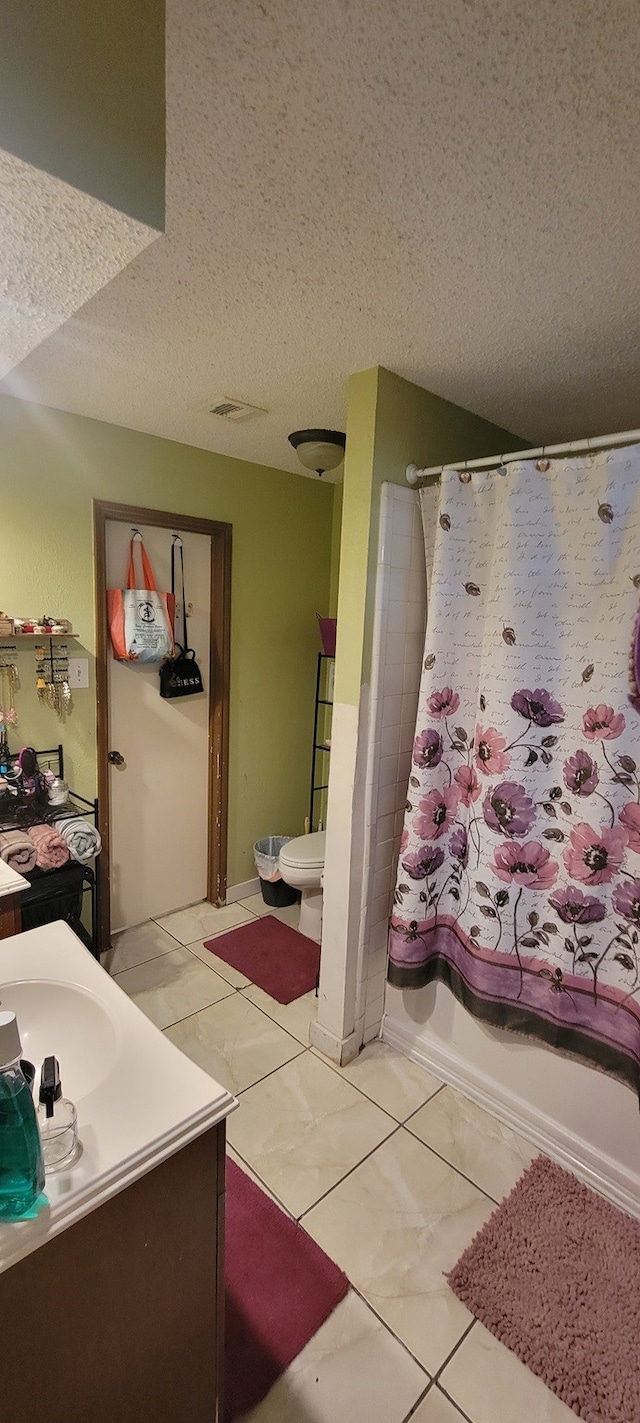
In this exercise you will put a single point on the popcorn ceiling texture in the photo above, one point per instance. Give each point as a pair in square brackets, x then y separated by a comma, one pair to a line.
[58, 247]
[448, 189]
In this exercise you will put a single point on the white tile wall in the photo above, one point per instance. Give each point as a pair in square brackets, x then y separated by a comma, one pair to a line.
[398, 643]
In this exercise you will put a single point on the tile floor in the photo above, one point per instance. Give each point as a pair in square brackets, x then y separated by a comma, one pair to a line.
[388, 1169]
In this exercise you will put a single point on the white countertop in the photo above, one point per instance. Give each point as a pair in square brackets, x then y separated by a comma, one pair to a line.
[138, 1098]
[10, 881]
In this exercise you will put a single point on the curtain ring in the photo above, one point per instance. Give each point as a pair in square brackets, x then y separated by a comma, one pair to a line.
[464, 474]
[543, 464]
[502, 468]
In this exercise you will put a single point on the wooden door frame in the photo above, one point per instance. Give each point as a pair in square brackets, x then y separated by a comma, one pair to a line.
[219, 667]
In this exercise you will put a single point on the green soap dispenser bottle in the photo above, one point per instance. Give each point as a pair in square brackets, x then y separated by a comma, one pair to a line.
[21, 1163]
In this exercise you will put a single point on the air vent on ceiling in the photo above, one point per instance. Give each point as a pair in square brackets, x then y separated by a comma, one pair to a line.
[235, 410]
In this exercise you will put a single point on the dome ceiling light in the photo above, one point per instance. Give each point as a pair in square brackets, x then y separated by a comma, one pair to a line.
[321, 450]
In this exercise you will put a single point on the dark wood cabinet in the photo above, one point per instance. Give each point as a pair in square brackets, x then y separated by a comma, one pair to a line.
[119, 1319]
[10, 916]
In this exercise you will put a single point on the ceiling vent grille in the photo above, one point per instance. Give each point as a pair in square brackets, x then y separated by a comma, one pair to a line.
[237, 410]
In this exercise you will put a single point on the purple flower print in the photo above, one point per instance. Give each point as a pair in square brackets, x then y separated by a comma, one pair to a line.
[528, 865]
[468, 783]
[574, 907]
[626, 900]
[580, 774]
[459, 846]
[491, 751]
[423, 863]
[438, 811]
[630, 818]
[538, 707]
[427, 749]
[443, 703]
[508, 809]
[601, 723]
[595, 856]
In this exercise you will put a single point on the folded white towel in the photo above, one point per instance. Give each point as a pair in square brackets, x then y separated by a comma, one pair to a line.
[81, 836]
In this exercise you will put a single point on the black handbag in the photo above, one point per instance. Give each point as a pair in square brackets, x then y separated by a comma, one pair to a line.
[180, 676]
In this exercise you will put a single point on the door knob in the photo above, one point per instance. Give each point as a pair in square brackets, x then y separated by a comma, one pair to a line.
[115, 758]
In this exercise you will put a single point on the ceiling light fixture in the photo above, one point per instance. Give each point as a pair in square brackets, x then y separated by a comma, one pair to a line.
[319, 449]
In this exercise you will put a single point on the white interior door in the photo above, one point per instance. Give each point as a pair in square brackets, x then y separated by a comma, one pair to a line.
[159, 797]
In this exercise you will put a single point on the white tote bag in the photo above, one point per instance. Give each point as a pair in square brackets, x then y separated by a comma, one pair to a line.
[140, 619]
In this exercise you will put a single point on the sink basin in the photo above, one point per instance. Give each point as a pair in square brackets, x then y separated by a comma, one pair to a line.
[65, 1021]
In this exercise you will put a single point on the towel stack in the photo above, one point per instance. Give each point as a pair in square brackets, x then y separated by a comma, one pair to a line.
[48, 847]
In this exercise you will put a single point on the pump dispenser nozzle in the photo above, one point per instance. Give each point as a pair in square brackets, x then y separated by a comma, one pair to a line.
[50, 1084]
[58, 1119]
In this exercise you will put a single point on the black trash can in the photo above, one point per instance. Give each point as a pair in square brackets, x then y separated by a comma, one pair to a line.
[275, 891]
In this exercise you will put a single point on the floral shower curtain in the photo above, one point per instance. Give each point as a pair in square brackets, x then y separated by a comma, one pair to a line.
[519, 871]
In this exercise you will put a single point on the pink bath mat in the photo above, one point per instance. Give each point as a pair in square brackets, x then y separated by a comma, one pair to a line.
[273, 955]
[555, 1274]
[279, 1288]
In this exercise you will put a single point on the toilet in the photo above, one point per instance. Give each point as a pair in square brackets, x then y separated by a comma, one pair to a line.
[302, 866]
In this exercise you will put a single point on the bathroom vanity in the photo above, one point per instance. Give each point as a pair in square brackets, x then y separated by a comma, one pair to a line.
[113, 1292]
[11, 886]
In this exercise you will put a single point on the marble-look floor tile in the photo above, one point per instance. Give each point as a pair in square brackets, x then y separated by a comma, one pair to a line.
[295, 1017]
[204, 920]
[226, 970]
[475, 1142]
[435, 1408]
[256, 905]
[172, 987]
[303, 1128]
[289, 915]
[391, 1080]
[235, 1043]
[244, 1166]
[352, 1370]
[400, 1220]
[490, 1383]
[137, 945]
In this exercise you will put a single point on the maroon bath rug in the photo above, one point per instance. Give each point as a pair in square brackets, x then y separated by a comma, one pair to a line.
[273, 955]
[555, 1274]
[280, 1287]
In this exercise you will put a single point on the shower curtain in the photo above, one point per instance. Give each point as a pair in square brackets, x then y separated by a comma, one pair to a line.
[519, 870]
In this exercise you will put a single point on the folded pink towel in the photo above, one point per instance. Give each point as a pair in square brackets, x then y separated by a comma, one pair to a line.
[51, 850]
[17, 850]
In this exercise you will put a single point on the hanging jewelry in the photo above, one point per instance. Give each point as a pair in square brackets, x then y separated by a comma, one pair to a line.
[11, 715]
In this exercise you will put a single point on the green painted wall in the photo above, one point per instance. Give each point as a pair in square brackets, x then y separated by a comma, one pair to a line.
[336, 532]
[390, 423]
[82, 95]
[51, 467]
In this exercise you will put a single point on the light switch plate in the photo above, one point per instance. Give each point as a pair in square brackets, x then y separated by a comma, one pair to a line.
[78, 672]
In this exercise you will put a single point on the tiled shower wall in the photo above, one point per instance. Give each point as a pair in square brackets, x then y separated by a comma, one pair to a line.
[398, 644]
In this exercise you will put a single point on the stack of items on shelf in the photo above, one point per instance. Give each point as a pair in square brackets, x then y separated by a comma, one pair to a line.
[49, 835]
[48, 847]
[49, 626]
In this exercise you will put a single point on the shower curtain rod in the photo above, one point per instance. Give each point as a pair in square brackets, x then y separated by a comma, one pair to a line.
[417, 477]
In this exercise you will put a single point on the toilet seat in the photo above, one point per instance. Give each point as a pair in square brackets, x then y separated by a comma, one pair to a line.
[306, 852]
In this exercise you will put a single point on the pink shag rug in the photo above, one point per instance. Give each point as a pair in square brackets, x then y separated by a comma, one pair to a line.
[276, 957]
[279, 1288]
[555, 1275]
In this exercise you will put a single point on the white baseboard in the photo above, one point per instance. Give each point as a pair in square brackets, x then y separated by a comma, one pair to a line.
[600, 1172]
[242, 891]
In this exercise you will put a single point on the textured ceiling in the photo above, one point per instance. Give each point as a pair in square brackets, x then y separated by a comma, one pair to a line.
[450, 188]
[58, 247]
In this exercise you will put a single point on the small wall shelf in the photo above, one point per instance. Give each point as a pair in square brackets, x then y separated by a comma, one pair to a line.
[36, 636]
[321, 734]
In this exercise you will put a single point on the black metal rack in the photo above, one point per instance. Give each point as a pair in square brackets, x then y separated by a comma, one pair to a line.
[320, 748]
[55, 894]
